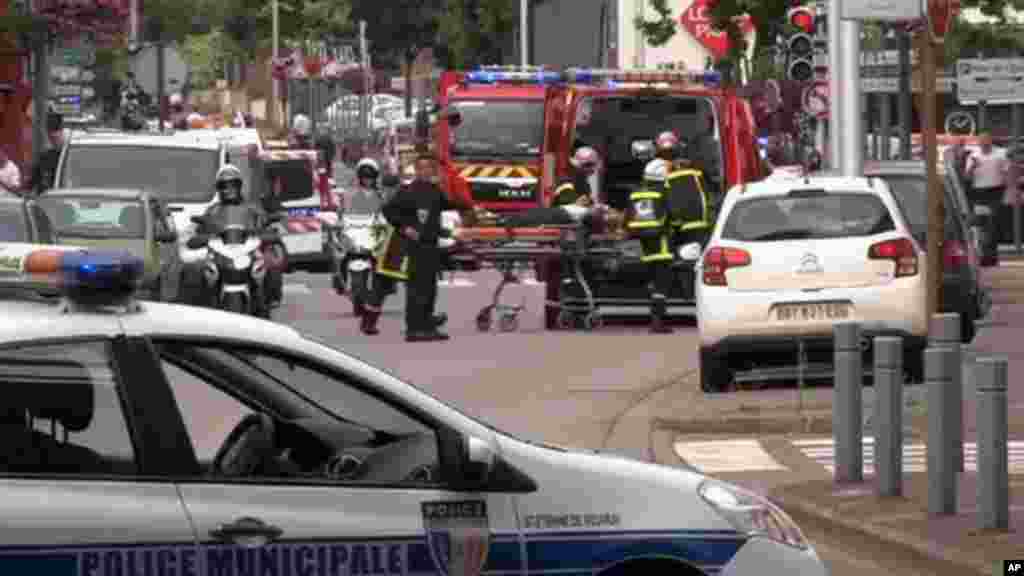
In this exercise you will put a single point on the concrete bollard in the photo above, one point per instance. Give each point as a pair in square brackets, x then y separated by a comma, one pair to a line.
[846, 408]
[942, 476]
[992, 375]
[944, 332]
[888, 421]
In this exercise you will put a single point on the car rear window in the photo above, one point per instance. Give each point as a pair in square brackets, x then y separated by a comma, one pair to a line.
[911, 193]
[13, 225]
[176, 175]
[831, 215]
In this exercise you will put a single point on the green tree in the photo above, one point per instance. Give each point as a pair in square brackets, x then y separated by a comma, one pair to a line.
[475, 32]
[999, 38]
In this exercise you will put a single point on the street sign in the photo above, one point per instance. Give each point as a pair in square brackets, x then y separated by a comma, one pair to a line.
[992, 80]
[960, 122]
[815, 99]
[67, 89]
[940, 17]
[891, 84]
[886, 10]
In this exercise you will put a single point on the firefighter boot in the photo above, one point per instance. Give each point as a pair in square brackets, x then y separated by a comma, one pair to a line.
[368, 321]
[658, 313]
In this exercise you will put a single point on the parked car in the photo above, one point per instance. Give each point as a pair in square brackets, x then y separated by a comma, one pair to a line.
[22, 220]
[961, 291]
[790, 258]
[129, 219]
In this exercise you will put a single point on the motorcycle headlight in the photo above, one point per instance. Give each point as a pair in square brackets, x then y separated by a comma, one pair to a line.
[752, 514]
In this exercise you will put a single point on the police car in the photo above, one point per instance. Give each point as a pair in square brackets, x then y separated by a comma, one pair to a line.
[145, 439]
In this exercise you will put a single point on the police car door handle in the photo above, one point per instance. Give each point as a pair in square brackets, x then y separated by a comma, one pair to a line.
[247, 531]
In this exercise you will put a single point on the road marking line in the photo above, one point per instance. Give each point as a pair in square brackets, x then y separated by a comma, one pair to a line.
[296, 289]
[456, 283]
[737, 455]
[915, 456]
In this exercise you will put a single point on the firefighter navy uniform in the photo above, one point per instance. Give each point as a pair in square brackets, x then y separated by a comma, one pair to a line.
[690, 205]
[650, 223]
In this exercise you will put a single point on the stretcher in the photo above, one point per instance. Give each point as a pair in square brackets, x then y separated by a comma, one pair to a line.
[510, 251]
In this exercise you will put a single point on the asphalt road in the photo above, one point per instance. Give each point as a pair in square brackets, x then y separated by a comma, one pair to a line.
[569, 388]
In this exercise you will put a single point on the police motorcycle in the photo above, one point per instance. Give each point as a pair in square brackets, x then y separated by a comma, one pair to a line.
[353, 243]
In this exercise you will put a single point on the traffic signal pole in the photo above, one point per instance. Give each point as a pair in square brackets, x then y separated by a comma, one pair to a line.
[835, 128]
[851, 160]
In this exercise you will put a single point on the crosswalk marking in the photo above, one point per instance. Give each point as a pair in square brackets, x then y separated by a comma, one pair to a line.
[734, 455]
[915, 455]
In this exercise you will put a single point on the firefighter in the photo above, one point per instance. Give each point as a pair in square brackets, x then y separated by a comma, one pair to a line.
[689, 204]
[576, 188]
[649, 221]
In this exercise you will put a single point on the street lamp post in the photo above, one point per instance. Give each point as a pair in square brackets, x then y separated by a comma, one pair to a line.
[275, 97]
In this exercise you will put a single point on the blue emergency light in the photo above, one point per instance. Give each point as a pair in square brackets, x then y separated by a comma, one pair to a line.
[98, 278]
[518, 77]
[593, 76]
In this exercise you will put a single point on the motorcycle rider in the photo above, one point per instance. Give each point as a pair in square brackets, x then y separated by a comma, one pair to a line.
[649, 221]
[229, 209]
[366, 198]
[301, 135]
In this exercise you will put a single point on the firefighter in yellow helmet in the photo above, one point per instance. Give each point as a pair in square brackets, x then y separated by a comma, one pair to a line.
[690, 205]
[649, 222]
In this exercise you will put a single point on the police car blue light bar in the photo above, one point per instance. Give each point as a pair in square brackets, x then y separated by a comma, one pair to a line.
[83, 275]
[541, 76]
[513, 77]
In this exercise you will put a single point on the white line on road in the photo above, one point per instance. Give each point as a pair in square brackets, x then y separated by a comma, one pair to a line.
[735, 455]
[915, 456]
[456, 283]
[296, 289]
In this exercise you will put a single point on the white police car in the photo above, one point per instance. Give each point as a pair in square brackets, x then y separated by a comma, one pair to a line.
[145, 439]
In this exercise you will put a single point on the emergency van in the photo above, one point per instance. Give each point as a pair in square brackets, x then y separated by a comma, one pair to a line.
[495, 134]
[141, 438]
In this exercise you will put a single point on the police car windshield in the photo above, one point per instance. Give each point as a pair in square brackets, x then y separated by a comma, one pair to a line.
[835, 215]
[95, 217]
[498, 128]
[13, 227]
[175, 175]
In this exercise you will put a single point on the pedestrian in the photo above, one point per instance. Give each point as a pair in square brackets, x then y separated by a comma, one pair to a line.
[415, 212]
[45, 169]
[986, 170]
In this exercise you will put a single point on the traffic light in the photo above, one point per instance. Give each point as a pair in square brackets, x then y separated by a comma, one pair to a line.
[800, 45]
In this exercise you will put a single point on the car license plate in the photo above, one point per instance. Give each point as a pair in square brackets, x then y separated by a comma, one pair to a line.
[812, 311]
[303, 243]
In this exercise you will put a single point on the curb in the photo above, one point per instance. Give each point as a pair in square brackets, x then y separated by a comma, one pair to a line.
[917, 546]
[806, 424]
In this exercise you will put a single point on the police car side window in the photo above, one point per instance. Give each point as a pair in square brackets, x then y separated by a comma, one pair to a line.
[61, 413]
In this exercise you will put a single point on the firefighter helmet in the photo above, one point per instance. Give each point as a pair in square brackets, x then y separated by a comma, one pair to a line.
[585, 157]
[666, 141]
[656, 171]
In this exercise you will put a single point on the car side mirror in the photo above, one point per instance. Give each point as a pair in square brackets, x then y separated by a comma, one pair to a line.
[469, 461]
[167, 236]
[198, 220]
[478, 461]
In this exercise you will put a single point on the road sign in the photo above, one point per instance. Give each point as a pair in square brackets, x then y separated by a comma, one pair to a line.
[887, 10]
[67, 89]
[960, 122]
[815, 99]
[992, 80]
[940, 17]
[891, 84]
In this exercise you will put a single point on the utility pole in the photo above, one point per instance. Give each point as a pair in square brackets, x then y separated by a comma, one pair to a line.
[524, 37]
[852, 158]
[906, 96]
[160, 80]
[935, 193]
[364, 105]
[275, 98]
[835, 128]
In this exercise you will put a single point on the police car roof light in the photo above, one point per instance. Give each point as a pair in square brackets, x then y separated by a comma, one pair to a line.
[83, 276]
[538, 76]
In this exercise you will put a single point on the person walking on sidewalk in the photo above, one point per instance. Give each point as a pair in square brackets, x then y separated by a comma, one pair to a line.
[986, 170]
[416, 213]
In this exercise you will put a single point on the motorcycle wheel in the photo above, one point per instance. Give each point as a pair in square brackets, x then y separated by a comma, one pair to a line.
[360, 288]
[234, 302]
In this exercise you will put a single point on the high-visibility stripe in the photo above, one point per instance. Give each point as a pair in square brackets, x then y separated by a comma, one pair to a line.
[645, 196]
[644, 224]
[662, 253]
[498, 171]
[690, 226]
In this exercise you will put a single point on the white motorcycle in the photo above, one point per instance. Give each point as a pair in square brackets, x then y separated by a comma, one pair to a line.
[352, 245]
[235, 269]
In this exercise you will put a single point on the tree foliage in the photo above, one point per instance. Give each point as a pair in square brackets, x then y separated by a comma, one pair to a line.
[398, 29]
[475, 32]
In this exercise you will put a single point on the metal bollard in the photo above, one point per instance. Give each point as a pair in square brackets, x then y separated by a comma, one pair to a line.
[846, 408]
[942, 477]
[991, 375]
[944, 332]
[888, 376]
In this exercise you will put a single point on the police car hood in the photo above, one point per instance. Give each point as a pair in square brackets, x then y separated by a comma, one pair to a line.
[589, 490]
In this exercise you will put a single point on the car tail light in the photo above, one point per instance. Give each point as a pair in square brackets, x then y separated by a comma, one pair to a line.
[954, 254]
[901, 251]
[718, 260]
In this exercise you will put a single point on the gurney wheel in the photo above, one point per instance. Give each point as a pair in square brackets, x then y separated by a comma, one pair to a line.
[509, 323]
[565, 320]
[483, 321]
[592, 321]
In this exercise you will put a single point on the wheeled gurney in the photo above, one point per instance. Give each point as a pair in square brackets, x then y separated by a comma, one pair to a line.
[511, 250]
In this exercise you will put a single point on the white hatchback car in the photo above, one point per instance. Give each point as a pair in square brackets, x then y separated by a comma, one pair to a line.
[791, 257]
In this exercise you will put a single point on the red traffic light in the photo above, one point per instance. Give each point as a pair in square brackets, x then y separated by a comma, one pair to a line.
[803, 19]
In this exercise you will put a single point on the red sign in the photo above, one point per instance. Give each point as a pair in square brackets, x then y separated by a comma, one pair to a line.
[697, 20]
[940, 17]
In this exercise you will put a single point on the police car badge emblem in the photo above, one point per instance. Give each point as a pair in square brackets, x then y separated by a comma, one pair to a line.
[458, 536]
[422, 215]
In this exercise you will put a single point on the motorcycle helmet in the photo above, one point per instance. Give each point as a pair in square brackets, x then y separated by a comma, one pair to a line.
[229, 184]
[367, 169]
[666, 142]
[301, 125]
[585, 158]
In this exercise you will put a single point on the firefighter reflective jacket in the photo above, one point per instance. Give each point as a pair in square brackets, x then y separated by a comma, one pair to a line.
[649, 223]
[688, 201]
[569, 190]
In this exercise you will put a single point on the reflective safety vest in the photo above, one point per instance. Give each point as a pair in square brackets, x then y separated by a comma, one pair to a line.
[688, 199]
[392, 257]
[648, 222]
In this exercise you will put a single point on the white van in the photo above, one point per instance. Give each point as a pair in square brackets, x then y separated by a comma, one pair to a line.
[178, 168]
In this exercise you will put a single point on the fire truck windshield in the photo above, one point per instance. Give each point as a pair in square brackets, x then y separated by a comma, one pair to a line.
[498, 128]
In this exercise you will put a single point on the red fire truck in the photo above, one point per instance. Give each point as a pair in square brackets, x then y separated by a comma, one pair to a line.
[497, 140]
